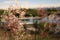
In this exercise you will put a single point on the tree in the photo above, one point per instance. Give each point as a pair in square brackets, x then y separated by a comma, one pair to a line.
[31, 12]
[1, 11]
[49, 11]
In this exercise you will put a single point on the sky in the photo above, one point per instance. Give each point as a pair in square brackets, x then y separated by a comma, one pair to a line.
[4, 4]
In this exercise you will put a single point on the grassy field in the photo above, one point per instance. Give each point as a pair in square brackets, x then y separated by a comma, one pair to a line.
[7, 36]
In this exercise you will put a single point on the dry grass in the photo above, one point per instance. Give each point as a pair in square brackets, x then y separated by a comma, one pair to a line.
[7, 36]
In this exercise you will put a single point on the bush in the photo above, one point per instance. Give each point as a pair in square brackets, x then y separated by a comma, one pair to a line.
[41, 26]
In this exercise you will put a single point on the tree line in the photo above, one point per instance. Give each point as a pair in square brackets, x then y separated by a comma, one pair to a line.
[33, 12]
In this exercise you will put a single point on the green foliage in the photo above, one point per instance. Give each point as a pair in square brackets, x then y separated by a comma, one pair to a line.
[31, 12]
[6, 12]
[50, 10]
[54, 10]
[35, 24]
[41, 26]
[1, 12]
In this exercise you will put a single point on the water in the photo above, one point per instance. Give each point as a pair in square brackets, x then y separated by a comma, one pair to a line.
[29, 20]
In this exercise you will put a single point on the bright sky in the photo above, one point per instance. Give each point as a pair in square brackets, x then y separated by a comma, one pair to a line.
[30, 3]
